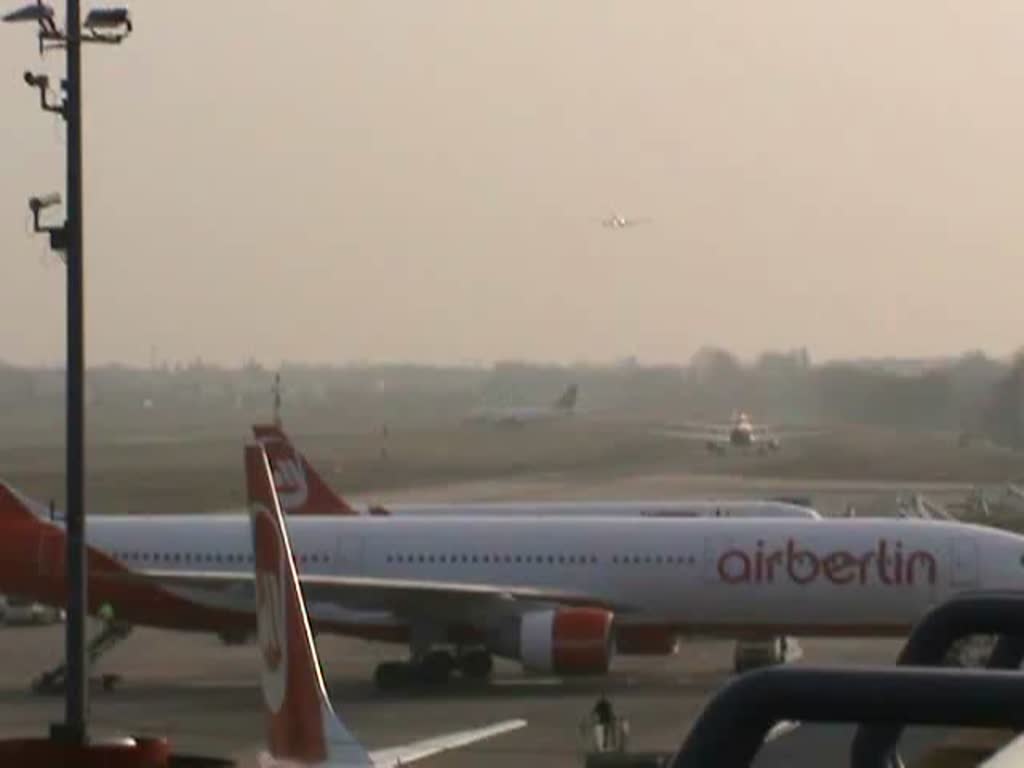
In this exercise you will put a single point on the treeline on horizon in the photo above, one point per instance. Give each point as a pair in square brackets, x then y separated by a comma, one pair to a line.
[974, 394]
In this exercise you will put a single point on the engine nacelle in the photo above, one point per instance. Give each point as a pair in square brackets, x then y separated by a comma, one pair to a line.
[640, 640]
[567, 641]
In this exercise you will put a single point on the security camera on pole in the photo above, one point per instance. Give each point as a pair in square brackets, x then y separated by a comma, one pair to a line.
[111, 26]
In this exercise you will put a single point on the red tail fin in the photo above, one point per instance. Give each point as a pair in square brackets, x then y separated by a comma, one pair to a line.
[15, 507]
[300, 489]
[301, 725]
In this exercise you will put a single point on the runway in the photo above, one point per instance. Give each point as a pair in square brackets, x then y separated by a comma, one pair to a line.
[829, 497]
[205, 697]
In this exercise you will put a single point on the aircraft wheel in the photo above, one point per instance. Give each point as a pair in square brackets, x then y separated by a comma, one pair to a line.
[476, 665]
[233, 637]
[392, 675]
[780, 650]
[435, 668]
[754, 654]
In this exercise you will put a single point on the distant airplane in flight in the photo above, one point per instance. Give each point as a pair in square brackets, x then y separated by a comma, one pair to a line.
[615, 221]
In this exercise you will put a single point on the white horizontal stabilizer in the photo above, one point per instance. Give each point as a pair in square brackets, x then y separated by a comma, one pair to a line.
[418, 750]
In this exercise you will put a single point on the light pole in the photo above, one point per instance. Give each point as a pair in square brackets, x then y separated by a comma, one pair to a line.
[107, 25]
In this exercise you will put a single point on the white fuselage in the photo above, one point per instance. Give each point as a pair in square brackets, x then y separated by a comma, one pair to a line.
[828, 577]
[645, 508]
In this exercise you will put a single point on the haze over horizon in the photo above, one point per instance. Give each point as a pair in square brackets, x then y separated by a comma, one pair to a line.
[426, 182]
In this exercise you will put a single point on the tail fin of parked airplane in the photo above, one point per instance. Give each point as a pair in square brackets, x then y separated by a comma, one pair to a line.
[16, 507]
[302, 727]
[300, 488]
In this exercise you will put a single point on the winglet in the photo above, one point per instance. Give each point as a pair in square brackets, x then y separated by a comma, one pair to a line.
[300, 488]
[302, 727]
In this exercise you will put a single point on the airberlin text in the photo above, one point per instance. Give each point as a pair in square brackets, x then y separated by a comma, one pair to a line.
[885, 564]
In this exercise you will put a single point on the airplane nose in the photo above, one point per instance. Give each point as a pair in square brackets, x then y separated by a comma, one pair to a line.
[1009, 573]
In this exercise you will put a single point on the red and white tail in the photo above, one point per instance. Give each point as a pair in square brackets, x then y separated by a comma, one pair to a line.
[302, 728]
[300, 488]
[17, 508]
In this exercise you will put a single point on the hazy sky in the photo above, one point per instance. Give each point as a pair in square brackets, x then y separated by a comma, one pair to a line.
[425, 179]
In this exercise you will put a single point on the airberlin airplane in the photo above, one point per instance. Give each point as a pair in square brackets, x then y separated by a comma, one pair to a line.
[559, 594]
[304, 492]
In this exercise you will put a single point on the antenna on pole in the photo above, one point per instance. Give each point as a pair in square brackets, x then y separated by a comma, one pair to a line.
[276, 389]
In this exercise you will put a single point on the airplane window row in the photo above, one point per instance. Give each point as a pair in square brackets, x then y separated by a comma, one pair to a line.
[654, 559]
[492, 558]
[542, 559]
[207, 557]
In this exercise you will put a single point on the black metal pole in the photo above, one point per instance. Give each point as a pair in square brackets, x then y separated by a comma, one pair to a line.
[76, 704]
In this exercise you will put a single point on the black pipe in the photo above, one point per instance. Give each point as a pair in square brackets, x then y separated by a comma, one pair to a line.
[1008, 652]
[984, 613]
[733, 726]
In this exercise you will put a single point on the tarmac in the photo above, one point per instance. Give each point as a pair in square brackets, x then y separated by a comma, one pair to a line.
[205, 697]
[829, 497]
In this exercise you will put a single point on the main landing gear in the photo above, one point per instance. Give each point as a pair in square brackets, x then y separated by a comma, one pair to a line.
[765, 652]
[433, 669]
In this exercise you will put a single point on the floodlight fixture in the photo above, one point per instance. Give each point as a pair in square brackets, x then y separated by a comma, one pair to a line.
[108, 18]
[107, 25]
[101, 25]
[37, 12]
[41, 14]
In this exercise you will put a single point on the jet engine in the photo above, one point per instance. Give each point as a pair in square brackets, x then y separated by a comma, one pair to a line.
[567, 641]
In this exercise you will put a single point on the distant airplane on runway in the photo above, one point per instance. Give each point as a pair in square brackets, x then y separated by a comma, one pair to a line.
[302, 726]
[518, 415]
[738, 434]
